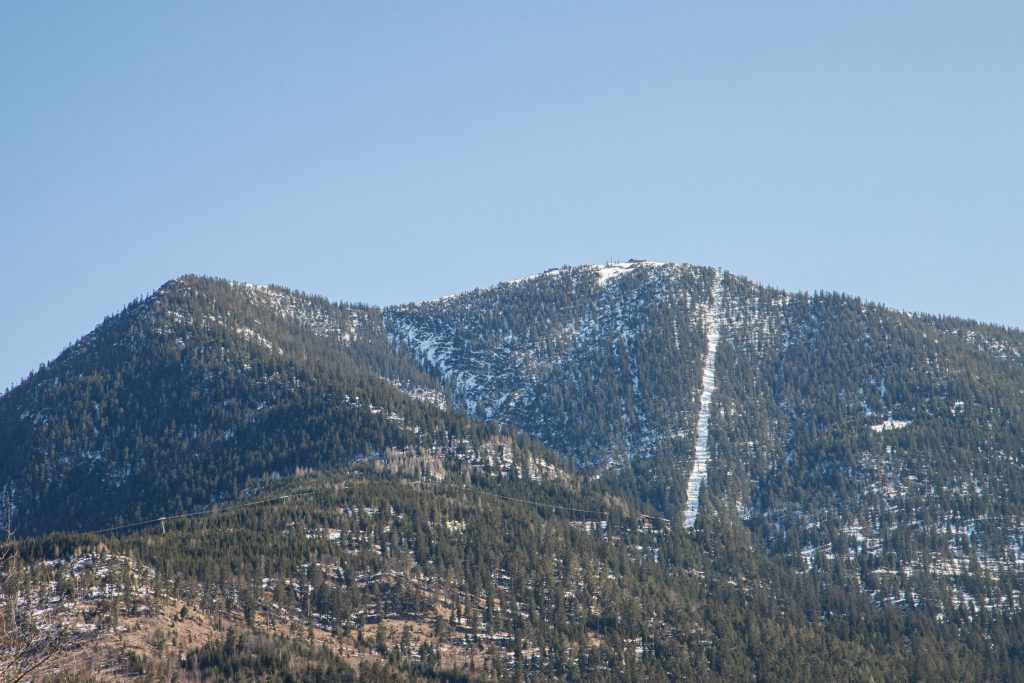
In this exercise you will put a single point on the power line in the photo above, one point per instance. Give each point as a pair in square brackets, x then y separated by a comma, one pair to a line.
[465, 487]
[551, 506]
[199, 513]
[542, 505]
[568, 509]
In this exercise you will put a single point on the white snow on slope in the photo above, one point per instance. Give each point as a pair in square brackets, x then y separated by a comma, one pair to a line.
[890, 424]
[614, 270]
[553, 272]
[701, 456]
[605, 273]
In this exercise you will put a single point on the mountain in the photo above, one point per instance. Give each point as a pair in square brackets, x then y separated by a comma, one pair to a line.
[628, 471]
[600, 362]
[200, 390]
[835, 428]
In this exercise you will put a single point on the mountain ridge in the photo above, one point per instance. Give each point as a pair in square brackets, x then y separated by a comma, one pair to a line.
[624, 433]
[597, 472]
[191, 374]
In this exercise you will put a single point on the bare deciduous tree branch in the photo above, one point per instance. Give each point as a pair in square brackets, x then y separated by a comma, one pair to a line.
[24, 648]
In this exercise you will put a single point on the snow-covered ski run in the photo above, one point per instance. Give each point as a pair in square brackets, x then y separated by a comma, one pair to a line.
[699, 472]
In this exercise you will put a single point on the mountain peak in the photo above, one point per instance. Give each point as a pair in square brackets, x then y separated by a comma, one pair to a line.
[604, 272]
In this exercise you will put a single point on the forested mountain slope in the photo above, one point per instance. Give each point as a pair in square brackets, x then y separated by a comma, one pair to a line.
[495, 485]
[836, 428]
[499, 577]
[185, 397]
[601, 362]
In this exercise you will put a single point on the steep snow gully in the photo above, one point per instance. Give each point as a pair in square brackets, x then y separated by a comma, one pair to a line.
[712, 325]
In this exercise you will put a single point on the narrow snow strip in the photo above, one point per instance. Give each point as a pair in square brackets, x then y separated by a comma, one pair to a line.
[712, 324]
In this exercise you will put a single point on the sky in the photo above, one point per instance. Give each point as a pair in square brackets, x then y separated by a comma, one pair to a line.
[389, 152]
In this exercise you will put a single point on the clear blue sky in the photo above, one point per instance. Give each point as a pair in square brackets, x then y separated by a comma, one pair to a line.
[387, 152]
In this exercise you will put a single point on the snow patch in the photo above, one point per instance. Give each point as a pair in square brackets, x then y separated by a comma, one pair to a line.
[701, 456]
[611, 271]
[889, 424]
